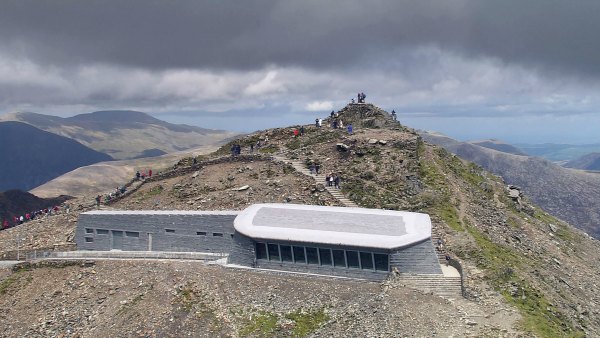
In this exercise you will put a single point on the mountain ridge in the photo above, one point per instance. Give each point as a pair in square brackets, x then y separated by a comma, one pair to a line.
[123, 134]
[566, 193]
[33, 156]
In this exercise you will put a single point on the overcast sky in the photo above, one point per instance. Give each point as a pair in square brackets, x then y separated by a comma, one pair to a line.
[521, 71]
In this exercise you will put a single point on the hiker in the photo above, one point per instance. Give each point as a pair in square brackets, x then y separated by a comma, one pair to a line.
[341, 124]
[150, 173]
[195, 161]
[138, 175]
[394, 115]
[447, 259]
[5, 224]
[440, 245]
[352, 100]
[317, 122]
[251, 147]
[336, 181]
[301, 130]
[320, 122]
[327, 179]
[350, 129]
[296, 132]
[334, 124]
[98, 198]
[317, 167]
[312, 169]
[332, 112]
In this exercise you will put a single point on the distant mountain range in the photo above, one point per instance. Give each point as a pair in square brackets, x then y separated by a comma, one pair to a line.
[586, 162]
[30, 156]
[124, 134]
[572, 195]
[559, 153]
[499, 145]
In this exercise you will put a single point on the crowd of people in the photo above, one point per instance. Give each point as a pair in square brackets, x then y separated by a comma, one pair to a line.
[29, 216]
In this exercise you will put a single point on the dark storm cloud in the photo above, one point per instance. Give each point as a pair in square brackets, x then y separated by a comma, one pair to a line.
[551, 35]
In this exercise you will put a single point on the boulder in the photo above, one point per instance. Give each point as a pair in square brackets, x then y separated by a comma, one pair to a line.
[342, 147]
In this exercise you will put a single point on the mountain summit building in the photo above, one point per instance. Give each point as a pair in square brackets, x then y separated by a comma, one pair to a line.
[351, 242]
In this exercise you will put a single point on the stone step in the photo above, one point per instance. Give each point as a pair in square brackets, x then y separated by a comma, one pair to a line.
[301, 168]
[448, 287]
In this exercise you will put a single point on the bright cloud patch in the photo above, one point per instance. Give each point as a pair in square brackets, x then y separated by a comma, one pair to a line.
[319, 106]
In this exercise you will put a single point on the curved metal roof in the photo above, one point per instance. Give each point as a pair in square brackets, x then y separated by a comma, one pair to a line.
[373, 228]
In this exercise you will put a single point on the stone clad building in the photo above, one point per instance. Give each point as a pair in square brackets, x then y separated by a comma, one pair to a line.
[350, 242]
[150, 230]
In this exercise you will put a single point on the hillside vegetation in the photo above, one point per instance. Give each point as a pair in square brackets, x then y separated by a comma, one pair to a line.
[572, 195]
[526, 273]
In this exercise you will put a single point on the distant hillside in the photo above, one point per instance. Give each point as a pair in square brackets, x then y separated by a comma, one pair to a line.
[586, 162]
[559, 152]
[499, 145]
[17, 203]
[125, 134]
[31, 156]
[105, 176]
[568, 194]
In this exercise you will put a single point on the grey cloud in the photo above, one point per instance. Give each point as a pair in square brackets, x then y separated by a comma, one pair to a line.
[555, 36]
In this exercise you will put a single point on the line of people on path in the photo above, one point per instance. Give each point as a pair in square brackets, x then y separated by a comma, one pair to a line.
[142, 175]
[18, 220]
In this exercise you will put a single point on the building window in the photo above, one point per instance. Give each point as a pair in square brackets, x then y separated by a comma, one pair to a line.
[217, 234]
[89, 231]
[170, 231]
[381, 262]
[132, 234]
[261, 251]
[352, 259]
[286, 253]
[102, 231]
[325, 255]
[312, 256]
[273, 251]
[338, 258]
[89, 239]
[299, 254]
[201, 233]
[366, 260]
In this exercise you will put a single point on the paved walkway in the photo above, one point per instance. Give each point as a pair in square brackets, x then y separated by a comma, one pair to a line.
[117, 254]
[449, 271]
[8, 264]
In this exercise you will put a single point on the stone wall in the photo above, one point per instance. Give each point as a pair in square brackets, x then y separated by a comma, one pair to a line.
[419, 258]
[156, 232]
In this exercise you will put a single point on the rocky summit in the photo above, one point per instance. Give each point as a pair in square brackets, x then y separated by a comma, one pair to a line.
[524, 272]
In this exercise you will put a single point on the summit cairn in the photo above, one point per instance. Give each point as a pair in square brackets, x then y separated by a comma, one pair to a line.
[365, 115]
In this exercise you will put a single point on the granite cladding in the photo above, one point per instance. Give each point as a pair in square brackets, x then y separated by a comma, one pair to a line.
[154, 232]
